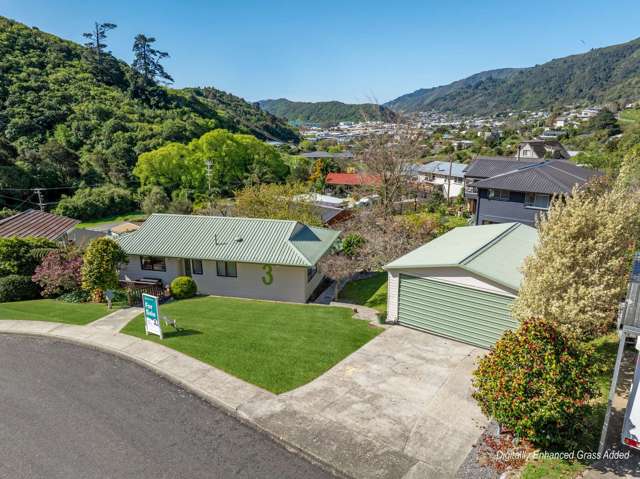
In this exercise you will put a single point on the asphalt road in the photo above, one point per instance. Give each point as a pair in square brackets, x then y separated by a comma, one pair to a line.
[71, 412]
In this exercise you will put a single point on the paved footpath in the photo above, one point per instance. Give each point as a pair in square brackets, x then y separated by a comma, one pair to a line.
[397, 408]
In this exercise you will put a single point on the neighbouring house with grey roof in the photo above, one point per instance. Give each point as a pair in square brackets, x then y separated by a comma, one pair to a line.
[542, 148]
[449, 177]
[227, 256]
[523, 191]
[461, 285]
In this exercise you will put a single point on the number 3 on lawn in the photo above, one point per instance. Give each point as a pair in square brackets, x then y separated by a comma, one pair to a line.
[268, 277]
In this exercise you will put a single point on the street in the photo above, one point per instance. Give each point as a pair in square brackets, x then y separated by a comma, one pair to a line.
[71, 412]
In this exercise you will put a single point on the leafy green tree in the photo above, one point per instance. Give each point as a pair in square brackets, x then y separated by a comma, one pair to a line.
[234, 160]
[99, 268]
[148, 69]
[281, 202]
[578, 271]
[156, 201]
[92, 203]
[20, 255]
[95, 41]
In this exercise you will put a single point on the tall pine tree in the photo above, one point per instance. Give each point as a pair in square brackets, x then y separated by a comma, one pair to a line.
[148, 70]
[103, 66]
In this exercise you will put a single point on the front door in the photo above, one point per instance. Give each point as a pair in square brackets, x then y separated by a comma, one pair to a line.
[187, 267]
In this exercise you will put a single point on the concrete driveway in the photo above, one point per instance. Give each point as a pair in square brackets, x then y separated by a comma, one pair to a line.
[404, 399]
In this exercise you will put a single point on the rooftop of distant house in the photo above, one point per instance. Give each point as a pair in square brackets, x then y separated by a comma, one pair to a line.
[39, 224]
[351, 179]
[325, 154]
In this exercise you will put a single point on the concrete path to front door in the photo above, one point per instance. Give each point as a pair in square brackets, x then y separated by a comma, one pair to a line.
[399, 407]
[117, 320]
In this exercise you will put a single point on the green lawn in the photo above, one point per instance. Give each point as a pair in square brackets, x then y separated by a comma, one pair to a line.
[131, 216]
[52, 310]
[371, 292]
[606, 350]
[276, 346]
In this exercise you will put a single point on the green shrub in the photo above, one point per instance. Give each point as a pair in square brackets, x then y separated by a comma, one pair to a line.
[15, 287]
[352, 244]
[537, 382]
[91, 203]
[22, 255]
[183, 287]
[76, 296]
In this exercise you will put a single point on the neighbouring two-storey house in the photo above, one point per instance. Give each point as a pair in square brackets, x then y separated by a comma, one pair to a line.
[542, 148]
[500, 190]
[449, 177]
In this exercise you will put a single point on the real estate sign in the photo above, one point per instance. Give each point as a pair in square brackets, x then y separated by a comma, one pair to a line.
[151, 315]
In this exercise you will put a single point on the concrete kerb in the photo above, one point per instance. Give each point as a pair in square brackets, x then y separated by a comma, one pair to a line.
[33, 330]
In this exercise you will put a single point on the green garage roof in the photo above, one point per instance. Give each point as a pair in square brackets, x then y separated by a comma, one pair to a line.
[245, 240]
[494, 251]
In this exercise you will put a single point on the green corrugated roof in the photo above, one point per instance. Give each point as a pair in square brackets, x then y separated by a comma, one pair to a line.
[246, 240]
[493, 251]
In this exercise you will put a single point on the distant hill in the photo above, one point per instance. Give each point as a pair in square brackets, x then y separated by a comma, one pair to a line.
[63, 122]
[600, 75]
[326, 112]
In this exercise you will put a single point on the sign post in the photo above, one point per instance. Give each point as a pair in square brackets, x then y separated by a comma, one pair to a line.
[151, 315]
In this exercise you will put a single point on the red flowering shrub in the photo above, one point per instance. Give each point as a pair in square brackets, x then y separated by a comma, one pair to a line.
[538, 383]
[59, 272]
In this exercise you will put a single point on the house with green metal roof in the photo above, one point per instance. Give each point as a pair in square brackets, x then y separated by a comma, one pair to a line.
[461, 285]
[227, 256]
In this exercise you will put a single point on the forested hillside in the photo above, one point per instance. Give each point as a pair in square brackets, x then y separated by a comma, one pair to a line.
[326, 112]
[600, 75]
[69, 116]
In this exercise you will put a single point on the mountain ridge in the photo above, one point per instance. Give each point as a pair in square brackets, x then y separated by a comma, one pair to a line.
[603, 74]
[326, 112]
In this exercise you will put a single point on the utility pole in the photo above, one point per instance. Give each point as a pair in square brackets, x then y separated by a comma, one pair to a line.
[40, 201]
[209, 163]
[449, 180]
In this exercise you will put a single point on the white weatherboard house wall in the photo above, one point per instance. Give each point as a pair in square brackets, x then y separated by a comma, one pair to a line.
[242, 257]
[461, 285]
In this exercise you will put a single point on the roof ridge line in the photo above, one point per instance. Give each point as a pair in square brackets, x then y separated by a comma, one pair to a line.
[552, 165]
[488, 245]
[224, 217]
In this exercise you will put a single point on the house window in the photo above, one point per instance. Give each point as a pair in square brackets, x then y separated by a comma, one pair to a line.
[537, 200]
[152, 263]
[499, 195]
[311, 272]
[196, 266]
[227, 268]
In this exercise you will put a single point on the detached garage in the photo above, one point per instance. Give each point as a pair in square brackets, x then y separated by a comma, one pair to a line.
[461, 284]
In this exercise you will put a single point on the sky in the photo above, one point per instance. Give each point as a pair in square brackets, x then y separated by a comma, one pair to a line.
[350, 50]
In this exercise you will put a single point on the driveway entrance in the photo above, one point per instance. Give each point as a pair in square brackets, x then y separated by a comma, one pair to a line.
[405, 390]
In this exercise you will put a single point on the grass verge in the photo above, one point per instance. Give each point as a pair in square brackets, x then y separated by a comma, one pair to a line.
[52, 310]
[371, 292]
[276, 346]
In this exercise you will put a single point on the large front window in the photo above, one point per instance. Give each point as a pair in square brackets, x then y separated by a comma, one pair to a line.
[227, 268]
[152, 263]
[537, 200]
